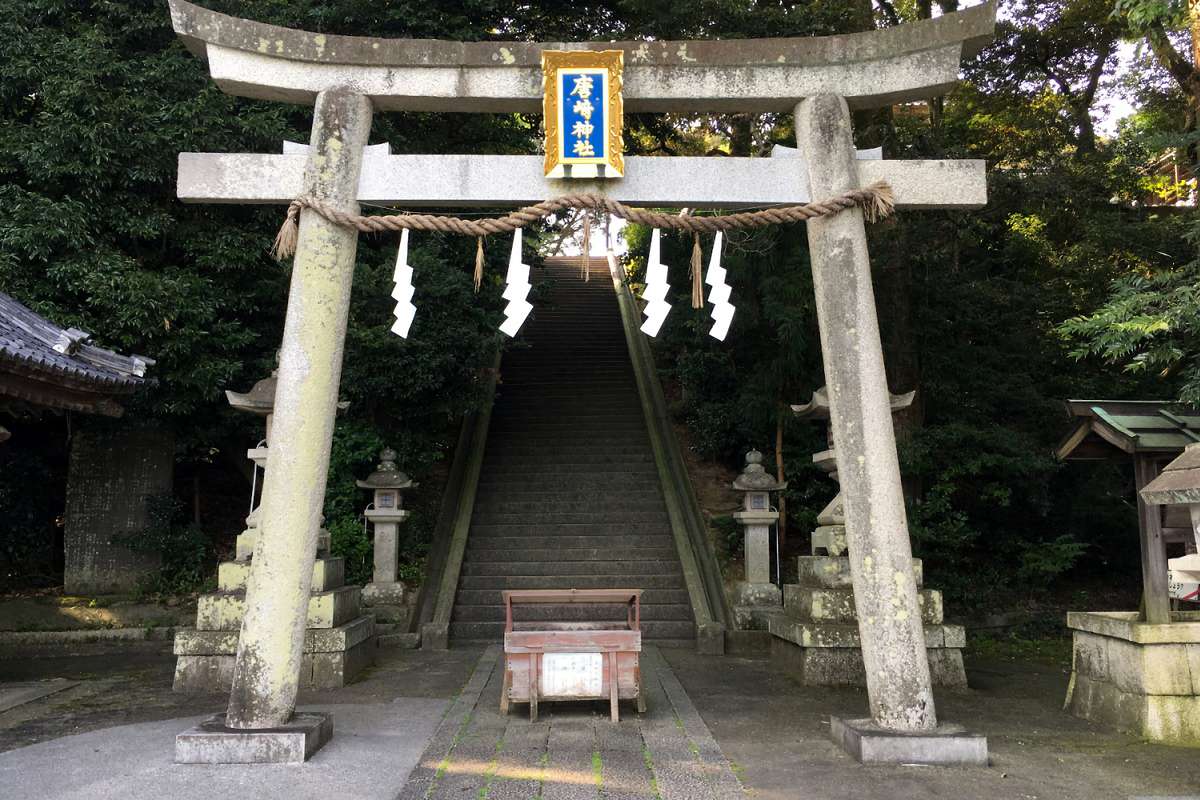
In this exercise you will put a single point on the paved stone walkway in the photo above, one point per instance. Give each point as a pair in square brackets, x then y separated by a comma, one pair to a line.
[574, 750]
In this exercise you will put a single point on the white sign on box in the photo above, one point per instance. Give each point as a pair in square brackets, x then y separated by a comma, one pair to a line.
[572, 675]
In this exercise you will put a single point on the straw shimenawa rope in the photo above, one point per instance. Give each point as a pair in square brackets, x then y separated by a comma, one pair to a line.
[876, 202]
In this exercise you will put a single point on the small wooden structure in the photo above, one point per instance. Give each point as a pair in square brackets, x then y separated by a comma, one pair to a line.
[572, 660]
[1151, 433]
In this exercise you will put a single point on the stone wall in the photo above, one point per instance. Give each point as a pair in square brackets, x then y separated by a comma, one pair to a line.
[112, 472]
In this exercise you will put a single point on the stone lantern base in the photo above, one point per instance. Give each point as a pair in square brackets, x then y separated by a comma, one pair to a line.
[1135, 676]
[388, 601]
[338, 644]
[816, 635]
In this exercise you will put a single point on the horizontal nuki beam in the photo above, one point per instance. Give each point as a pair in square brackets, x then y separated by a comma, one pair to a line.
[414, 181]
[871, 69]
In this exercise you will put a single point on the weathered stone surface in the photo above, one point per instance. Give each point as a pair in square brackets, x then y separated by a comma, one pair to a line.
[293, 742]
[435, 636]
[111, 474]
[1184, 626]
[328, 573]
[909, 62]
[201, 642]
[1137, 676]
[835, 660]
[377, 594]
[710, 639]
[318, 669]
[756, 594]
[837, 605]
[947, 745]
[270, 650]
[491, 180]
[834, 573]
[898, 681]
[224, 611]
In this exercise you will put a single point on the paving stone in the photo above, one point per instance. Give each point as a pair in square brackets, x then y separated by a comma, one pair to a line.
[557, 758]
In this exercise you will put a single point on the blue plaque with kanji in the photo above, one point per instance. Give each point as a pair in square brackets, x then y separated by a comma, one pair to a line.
[583, 113]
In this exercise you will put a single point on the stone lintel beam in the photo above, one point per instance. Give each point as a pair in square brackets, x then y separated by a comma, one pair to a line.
[872, 69]
[486, 180]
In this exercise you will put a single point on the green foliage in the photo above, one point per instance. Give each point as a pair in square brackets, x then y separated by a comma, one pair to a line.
[185, 549]
[1150, 324]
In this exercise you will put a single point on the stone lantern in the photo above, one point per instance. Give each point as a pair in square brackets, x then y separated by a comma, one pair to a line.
[757, 516]
[385, 593]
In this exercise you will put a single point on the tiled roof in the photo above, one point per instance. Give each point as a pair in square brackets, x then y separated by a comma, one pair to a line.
[35, 347]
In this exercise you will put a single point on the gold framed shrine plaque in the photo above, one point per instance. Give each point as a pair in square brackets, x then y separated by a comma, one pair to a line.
[584, 113]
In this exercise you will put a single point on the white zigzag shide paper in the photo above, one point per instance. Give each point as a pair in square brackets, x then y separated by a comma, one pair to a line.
[722, 312]
[655, 293]
[403, 292]
[516, 290]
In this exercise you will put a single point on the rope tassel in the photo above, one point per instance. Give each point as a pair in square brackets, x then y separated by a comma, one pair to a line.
[289, 232]
[697, 279]
[478, 263]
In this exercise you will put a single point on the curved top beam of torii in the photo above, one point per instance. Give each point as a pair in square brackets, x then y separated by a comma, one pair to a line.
[871, 70]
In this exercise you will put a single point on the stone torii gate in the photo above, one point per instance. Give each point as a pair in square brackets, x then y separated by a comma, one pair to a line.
[821, 80]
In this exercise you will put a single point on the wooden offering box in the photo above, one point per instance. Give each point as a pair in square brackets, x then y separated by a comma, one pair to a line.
[572, 660]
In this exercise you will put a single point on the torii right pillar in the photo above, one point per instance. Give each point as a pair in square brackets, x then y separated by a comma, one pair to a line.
[903, 727]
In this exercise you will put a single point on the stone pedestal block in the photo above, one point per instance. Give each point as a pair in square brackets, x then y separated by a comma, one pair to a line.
[817, 637]
[1136, 676]
[753, 602]
[946, 745]
[294, 742]
[332, 658]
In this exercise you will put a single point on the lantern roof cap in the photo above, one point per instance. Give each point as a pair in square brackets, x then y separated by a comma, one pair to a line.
[1179, 482]
[755, 478]
[387, 475]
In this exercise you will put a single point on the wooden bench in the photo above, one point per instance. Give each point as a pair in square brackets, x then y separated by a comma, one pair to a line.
[554, 661]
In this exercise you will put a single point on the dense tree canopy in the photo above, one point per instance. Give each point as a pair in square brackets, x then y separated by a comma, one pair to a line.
[1078, 279]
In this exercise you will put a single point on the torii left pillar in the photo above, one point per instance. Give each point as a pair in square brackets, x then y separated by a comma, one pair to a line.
[260, 725]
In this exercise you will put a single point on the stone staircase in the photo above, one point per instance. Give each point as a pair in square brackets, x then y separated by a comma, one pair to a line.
[569, 495]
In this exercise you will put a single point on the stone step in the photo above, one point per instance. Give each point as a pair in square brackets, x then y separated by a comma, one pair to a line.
[809, 634]
[600, 507]
[819, 604]
[637, 493]
[617, 542]
[616, 450]
[592, 528]
[594, 580]
[492, 597]
[617, 479]
[611, 517]
[223, 611]
[593, 468]
[627, 569]
[834, 573]
[571, 613]
[327, 574]
[555, 554]
[494, 631]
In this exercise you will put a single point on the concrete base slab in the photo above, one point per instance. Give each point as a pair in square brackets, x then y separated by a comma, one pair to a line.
[18, 694]
[948, 746]
[211, 742]
[377, 746]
